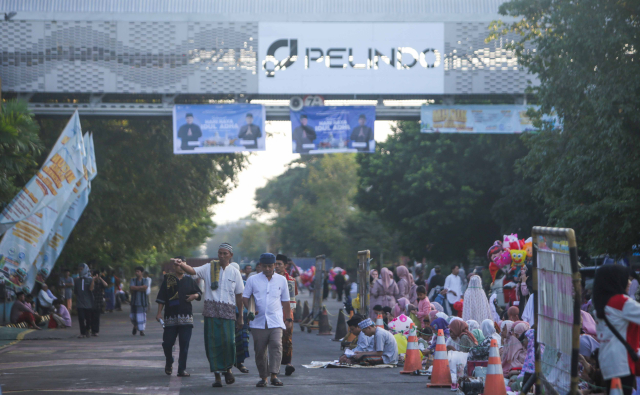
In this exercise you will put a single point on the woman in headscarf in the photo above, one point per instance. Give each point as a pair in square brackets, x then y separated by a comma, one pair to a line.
[474, 328]
[462, 336]
[476, 306]
[588, 324]
[373, 276]
[505, 329]
[437, 306]
[432, 315]
[614, 309]
[384, 291]
[400, 307]
[489, 332]
[513, 354]
[473, 324]
[406, 285]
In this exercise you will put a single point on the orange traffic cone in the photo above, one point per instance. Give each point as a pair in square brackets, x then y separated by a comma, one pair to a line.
[412, 360]
[380, 321]
[440, 375]
[616, 386]
[494, 382]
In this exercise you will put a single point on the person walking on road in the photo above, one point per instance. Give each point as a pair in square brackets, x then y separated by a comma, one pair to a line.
[271, 293]
[139, 302]
[99, 285]
[66, 283]
[222, 296]
[83, 289]
[287, 335]
[177, 291]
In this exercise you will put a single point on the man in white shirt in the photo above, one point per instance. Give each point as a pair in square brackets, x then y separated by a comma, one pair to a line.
[223, 288]
[45, 298]
[453, 287]
[271, 294]
[148, 279]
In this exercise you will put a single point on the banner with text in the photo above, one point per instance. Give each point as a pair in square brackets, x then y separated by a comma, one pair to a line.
[218, 128]
[59, 180]
[53, 182]
[506, 119]
[325, 130]
[66, 220]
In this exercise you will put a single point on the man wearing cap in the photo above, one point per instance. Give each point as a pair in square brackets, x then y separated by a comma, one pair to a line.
[250, 132]
[361, 135]
[271, 293]
[223, 288]
[287, 335]
[189, 133]
[385, 348]
[303, 136]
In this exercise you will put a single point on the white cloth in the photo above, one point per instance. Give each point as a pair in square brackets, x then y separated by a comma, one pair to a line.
[44, 299]
[614, 361]
[476, 306]
[527, 313]
[269, 295]
[148, 285]
[633, 288]
[229, 284]
[365, 343]
[453, 283]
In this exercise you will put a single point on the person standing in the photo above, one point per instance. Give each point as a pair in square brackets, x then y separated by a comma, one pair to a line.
[339, 281]
[83, 289]
[139, 302]
[242, 335]
[66, 283]
[287, 334]
[176, 292]
[99, 285]
[384, 291]
[453, 286]
[406, 285]
[148, 280]
[222, 296]
[271, 293]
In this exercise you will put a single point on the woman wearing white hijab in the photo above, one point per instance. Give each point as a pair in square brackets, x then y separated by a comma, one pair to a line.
[489, 331]
[476, 306]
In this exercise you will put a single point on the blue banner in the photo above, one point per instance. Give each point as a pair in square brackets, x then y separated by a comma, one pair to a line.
[505, 119]
[324, 130]
[218, 128]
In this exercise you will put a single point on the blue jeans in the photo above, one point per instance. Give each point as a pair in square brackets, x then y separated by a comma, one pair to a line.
[169, 339]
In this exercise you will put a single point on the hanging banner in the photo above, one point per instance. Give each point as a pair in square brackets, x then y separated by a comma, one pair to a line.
[325, 130]
[66, 221]
[53, 182]
[59, 180]
[218, 128]
[506, 119]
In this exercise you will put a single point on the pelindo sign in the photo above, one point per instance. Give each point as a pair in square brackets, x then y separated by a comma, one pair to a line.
[351, 58]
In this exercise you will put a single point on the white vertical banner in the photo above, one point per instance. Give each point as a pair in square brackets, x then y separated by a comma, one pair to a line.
[53, 182]
[41, 202]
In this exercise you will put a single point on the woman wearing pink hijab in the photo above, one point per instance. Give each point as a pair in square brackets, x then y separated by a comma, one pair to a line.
[406, 285]
[588, 324]
[400, 307]
[383, 292]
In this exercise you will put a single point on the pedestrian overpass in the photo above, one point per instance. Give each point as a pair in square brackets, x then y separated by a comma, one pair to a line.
[140, 57]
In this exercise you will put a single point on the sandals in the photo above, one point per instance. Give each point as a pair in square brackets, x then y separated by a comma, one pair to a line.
[242, 368]
[262, 383]
[228, 378]
[184, 374]
[134, 331]
[288, 371]
[168, 370]
[276, 382]
[216, 384]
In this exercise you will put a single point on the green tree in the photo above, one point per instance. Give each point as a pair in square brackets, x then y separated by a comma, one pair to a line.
[145, 200]
[586, 59]
[20, 147]
[446, 195]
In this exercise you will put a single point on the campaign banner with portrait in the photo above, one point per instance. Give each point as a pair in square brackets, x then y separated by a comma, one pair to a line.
[325, 130]
[505, 119]
[218, 128]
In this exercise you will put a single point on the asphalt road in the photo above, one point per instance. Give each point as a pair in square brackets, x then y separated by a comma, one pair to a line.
[116, 362]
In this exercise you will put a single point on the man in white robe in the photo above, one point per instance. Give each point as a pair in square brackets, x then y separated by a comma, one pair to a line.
[453, 286]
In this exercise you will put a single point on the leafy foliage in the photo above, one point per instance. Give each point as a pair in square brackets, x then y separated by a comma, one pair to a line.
[20, 146]
[145, 200]
[446, 194]
[586, 59]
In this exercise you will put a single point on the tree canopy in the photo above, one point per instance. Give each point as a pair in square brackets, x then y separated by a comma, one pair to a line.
[586, 59]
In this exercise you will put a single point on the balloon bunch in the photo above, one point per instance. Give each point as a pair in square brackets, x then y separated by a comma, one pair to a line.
[307, 276]
[511, 253]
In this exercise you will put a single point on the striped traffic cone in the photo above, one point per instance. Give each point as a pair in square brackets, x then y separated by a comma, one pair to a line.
[380, 322]
[494, 382]
[440, 375]
[412, 360]
[616, 386]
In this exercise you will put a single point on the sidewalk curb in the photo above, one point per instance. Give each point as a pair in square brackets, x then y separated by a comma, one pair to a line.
[18, 337]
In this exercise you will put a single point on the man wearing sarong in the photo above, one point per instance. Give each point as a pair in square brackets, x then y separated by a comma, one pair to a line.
[139, 302]
[287, 335]
[223, 294]
[271, 293]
